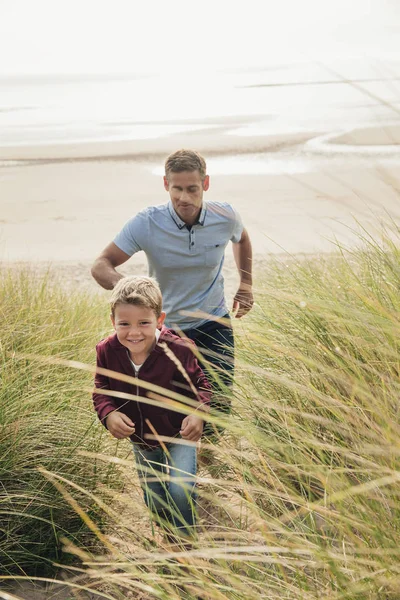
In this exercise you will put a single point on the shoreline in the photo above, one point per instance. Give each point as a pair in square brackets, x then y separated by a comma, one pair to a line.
[216, 141]
[147, 150]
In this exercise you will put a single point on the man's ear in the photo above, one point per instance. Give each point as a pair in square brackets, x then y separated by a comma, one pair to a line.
[206, 183]
[166, 184]
[160, 320]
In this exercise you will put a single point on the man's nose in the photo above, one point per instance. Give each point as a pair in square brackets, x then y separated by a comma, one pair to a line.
[184, 196]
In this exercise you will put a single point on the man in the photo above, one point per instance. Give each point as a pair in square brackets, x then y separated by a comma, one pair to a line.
[184, 241]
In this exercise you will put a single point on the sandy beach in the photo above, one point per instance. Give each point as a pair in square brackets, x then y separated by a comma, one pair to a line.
[61, 204]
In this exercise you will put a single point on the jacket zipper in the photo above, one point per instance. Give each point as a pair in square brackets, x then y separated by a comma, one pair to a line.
[137, 394]
[140, 410]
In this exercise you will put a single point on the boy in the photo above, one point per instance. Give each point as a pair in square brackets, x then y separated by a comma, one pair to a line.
[141, 347]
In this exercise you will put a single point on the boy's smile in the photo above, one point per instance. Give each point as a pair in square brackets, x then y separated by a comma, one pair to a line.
[136, 329]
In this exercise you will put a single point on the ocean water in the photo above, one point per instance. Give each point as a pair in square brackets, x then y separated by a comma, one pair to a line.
[258, 102]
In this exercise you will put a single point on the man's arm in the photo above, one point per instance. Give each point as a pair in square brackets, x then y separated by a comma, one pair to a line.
[103, 269]
[242, 252]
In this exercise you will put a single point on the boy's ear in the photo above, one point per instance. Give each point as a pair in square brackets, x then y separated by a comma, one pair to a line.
[160, 320]
[112, 320]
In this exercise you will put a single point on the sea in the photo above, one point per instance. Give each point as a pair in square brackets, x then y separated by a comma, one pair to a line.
[51, 109]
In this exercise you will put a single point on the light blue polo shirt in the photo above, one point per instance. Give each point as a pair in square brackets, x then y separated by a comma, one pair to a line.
[187, 264]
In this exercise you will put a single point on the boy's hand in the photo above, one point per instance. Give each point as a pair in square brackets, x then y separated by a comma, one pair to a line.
[192, 428]
[119, 425]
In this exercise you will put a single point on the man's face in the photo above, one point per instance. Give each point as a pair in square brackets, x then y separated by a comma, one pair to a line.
[186, 193]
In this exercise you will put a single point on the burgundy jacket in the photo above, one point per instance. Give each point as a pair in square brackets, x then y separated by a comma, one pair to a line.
[158, 369]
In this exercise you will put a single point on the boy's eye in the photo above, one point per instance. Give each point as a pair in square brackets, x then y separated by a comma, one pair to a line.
[145, 323]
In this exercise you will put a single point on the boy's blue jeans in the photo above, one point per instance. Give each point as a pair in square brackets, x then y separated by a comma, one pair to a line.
[171, 501]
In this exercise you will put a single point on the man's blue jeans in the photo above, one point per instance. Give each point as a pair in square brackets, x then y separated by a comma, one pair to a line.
[217, 342]
[168, 480]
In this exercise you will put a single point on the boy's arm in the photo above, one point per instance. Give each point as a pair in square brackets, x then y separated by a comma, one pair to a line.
[103, 404]
[192, 425]
[197, 377]
[118, 424]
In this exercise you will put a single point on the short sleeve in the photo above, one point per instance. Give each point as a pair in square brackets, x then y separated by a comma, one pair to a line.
[237, 227]
[129, 238]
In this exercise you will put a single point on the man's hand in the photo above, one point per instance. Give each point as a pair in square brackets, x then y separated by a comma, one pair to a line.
[192, 428]
[243, 301]
[119, 425]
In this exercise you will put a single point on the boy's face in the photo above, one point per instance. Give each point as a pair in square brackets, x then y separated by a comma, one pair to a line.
[186, 192]
[136, 329]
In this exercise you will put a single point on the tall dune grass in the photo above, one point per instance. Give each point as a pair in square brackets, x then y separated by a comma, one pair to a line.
[301, 500]
[45, 417]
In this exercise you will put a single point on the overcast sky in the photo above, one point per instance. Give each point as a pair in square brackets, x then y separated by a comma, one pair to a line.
[178, 36]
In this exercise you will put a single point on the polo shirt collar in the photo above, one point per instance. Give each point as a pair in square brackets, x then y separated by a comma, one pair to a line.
[181, 224]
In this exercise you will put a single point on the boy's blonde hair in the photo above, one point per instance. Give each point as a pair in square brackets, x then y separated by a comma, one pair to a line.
[185, 160]
[139, 291]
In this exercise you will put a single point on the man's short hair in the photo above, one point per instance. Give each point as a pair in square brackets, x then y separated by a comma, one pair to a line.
[185, 160]
[139, 291]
